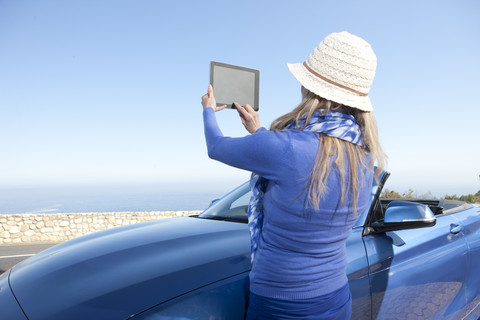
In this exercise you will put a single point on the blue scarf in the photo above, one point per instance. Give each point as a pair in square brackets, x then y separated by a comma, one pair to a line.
[335, 124]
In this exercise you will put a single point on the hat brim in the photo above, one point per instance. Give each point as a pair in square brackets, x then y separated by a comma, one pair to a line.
[327, 90]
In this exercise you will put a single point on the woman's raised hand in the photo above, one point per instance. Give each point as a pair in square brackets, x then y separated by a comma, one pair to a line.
[250, 118]
[208, 100]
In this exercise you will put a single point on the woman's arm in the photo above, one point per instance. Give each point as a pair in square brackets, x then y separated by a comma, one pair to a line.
[264, 152]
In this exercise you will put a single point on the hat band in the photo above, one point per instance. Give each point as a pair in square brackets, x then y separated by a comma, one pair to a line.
[332, 82]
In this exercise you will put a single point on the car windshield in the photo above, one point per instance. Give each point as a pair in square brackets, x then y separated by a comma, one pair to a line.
[231, 207]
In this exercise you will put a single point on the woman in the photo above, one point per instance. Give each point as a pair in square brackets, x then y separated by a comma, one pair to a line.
[312, 175]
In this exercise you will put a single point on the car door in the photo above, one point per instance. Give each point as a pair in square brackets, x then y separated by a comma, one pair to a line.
[358, 278]
[469, 217]
[417, 273]
[357, 268]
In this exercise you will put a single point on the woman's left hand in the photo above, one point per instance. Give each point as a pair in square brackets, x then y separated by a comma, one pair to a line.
[208, 100]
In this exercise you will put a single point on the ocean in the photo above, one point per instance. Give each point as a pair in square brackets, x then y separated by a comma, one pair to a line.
[101, 199]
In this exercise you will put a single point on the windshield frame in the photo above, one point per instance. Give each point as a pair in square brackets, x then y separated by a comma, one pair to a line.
[221, 209]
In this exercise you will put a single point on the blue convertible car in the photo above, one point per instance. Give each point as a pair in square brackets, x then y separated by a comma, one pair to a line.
[407, 260]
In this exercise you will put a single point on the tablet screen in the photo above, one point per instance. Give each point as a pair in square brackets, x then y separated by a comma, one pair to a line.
[234, 84]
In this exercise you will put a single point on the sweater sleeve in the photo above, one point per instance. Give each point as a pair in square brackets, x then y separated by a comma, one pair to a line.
[263, 152]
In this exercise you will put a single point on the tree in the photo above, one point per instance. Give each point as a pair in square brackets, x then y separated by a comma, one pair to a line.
[470, 198]
[409, 194]
[390, 194]
[452, 197]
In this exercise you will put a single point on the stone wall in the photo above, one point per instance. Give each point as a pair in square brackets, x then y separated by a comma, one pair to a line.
[59, 227]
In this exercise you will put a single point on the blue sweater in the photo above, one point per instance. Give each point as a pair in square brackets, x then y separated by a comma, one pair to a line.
[301, 253]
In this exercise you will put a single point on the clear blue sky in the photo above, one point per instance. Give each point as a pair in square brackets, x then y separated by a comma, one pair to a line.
[108, 92]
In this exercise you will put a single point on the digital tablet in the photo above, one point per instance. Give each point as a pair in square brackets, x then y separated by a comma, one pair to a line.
[234, 84]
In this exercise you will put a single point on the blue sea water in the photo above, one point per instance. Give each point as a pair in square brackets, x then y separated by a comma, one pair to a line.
[101, 199]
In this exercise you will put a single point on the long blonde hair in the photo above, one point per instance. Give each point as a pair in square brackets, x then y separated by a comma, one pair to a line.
[357, 157]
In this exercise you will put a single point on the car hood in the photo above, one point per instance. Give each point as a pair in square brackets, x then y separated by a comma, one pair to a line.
[122, 271]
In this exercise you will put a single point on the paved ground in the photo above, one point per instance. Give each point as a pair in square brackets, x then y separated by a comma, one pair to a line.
[10, 255]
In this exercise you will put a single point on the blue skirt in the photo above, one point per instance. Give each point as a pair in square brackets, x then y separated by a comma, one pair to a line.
[333, 306]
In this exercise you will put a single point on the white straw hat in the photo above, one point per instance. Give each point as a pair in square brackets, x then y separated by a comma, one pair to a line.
[341, 69]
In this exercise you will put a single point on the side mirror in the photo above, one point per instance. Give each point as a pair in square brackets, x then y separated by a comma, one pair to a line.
[401, 215]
